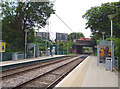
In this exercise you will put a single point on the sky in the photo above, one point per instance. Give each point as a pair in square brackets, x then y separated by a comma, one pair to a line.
[71, 12]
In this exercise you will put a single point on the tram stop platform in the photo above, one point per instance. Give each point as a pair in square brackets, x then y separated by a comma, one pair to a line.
[88, 74]
[21, 61]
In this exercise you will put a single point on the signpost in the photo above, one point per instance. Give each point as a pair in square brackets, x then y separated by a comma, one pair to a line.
[2, 48]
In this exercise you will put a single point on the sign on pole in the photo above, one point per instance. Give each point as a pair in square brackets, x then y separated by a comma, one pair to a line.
[2, 46]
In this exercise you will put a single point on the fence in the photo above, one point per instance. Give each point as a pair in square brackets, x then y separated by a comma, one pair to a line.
[6, 56]
[17, 56]
[116, 63]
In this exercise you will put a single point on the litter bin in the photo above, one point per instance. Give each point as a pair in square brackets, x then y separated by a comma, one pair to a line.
[14, 56]
[108, 64]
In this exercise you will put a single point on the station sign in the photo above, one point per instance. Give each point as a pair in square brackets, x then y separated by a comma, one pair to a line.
[2, 46]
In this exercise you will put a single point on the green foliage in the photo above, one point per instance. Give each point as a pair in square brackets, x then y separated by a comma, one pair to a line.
[18, 16]
[12, 38]
[60, 46]
[30, 36]
[73, 36]
[117, 46]
[66, 45]
[73, 45]
[98, 20]
[25, 15]
[42, 43]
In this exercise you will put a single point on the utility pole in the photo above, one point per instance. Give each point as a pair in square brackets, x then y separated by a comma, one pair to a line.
[71, 44]
[1, 40]
[58, 48]
[0, 53]
[111, 16]
[26, 30]
[67, 46]
[47, 38]
[76, 42]
[63, 47]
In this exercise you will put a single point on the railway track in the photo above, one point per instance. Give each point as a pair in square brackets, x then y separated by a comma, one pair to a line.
[18, 70]
[29, 64]
[46, 76]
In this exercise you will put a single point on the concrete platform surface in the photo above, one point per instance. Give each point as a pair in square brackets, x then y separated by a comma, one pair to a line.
[88, 74]
[5, 63]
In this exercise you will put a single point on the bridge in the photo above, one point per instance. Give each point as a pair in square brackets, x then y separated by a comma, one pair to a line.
[82, 42]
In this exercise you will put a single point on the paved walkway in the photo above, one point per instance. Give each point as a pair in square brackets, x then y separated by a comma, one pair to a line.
[27, 60]
[88, 74]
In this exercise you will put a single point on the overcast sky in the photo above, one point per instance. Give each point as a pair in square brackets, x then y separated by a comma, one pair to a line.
[71, 11]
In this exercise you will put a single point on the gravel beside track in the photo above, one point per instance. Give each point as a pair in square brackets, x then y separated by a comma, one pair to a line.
[47, 79]
[32, 75]
[21, 69]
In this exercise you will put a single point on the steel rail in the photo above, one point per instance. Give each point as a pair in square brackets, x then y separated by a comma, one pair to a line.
[31, 69]
[19, 85]
[29, 64]
[50, 86]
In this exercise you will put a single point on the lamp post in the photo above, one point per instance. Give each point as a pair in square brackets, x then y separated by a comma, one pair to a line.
[26, 30]
[58, 48]
[0, 41]
[111, 16]
[63, 47]
[47, 38]
[103, 35]
[67, 46]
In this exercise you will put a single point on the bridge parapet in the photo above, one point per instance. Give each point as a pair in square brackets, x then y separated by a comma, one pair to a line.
[84, 42]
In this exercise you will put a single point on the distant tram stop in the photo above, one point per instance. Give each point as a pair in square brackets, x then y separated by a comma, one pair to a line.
[106, 56]
[54, 49]
[32, 50]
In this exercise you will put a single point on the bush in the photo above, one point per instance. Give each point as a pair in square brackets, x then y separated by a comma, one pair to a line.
[117, 47]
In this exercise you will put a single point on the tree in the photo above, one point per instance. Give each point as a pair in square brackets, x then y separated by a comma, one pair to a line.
[73, 36]
[98, 21]
[25, 15]
[18, 16]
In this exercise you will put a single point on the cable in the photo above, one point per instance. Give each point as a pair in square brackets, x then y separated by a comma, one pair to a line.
[64, 22]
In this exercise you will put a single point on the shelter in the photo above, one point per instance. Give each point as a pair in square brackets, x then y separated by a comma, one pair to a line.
[54, 47]
[32, 50]
[104, 50]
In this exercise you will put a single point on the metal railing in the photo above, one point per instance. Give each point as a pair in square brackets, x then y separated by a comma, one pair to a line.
[17, 56]
[116, 63]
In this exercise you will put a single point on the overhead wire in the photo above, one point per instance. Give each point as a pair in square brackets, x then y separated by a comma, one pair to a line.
[64, 22]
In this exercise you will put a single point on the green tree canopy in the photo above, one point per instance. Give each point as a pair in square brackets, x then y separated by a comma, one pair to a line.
[24, 15]
[18, 16]
[98, 21]
[73, 36]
